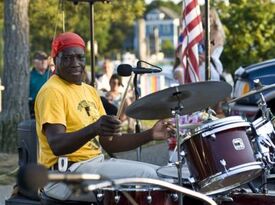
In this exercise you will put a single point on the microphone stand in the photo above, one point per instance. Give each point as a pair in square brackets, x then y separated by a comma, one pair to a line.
[137, 126]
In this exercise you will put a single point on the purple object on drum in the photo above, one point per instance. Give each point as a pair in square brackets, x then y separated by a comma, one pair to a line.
[219, 155]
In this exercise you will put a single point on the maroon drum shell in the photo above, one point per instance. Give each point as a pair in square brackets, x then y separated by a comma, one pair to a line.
[204, 153]
[159, 197]
[251, 199]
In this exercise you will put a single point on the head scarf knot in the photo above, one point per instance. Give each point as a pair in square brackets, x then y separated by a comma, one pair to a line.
[66, 40]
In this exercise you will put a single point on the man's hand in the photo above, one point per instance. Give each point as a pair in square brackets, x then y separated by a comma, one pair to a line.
[162, 130]
[107, 126]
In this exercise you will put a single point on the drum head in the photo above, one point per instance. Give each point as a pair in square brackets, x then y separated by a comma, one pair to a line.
[226, 123]
[170, 173]
[233, 178]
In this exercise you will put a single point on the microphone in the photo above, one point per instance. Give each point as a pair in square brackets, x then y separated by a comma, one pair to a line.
[126, 70]
[33, 176]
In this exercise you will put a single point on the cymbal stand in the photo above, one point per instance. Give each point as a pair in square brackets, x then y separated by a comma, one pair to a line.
[176, 113]
[137, 126]
[264, 142]
[266, 112]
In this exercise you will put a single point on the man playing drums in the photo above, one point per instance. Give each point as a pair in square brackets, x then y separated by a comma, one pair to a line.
[72, 125]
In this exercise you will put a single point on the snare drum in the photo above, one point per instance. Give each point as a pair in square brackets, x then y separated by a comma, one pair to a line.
[170, 174]
[219, 155]
[140, 194]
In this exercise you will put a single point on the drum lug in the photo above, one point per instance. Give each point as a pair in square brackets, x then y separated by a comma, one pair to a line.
[117, 198]
[223, 163]
[149, 199]
[191, 180]
[99, 196]
[258, 156]
[174, 197]
[183, 153]
[221, 199]
[213, 137]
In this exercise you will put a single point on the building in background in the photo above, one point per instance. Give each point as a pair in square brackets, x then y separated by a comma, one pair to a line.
[160, 25]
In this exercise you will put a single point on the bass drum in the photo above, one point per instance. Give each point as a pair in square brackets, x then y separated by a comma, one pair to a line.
[219, 155]
[250, 198]
[138, 194]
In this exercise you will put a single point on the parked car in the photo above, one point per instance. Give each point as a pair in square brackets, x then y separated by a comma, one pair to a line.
[244, 82]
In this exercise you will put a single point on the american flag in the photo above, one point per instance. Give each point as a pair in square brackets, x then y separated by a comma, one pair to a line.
[192, 34]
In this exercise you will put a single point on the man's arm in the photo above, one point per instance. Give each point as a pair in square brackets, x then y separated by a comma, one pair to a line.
[162, 130]
[63, 143]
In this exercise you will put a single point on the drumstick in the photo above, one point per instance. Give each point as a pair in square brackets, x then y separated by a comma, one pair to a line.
[119, 112]
[122, 103]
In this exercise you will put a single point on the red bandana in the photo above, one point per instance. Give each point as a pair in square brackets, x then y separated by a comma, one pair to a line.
[66, 40]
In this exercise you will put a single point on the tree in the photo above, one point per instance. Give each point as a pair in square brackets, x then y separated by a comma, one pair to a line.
[169, 4]
[16, 72]
[250, 28]
[46, 16]
[167, 48]
[1, 39]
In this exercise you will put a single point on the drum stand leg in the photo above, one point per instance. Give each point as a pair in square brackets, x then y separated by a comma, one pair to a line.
[264, 181]
[179, 162]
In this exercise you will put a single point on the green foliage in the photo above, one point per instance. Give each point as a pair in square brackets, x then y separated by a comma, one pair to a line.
[1, 34]
[250, 28]
[167, 48]
[109, 19]
[169, 4]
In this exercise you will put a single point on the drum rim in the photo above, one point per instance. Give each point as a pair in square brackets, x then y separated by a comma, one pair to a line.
[260, 122]
[169, 177]
[143, 188]
[220, 123]
[231, 171]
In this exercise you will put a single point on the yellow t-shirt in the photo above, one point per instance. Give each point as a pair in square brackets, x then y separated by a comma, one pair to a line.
[60, 102]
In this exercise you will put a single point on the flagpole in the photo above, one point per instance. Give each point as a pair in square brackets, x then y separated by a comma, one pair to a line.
[207, 41]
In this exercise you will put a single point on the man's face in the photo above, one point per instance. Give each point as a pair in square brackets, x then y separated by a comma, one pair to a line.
[70, 64]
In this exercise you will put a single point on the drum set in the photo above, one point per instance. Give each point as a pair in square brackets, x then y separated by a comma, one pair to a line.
[226, 161]
[221, 158]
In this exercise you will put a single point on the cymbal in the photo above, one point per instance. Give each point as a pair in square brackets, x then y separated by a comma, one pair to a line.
[253, 92]
[193, 97]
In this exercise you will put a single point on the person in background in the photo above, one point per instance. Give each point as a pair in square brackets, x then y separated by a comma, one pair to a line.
[72, 126]
[178, 71]
[39, 74]
[217, 40]
[114, 96]
[102, 82]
